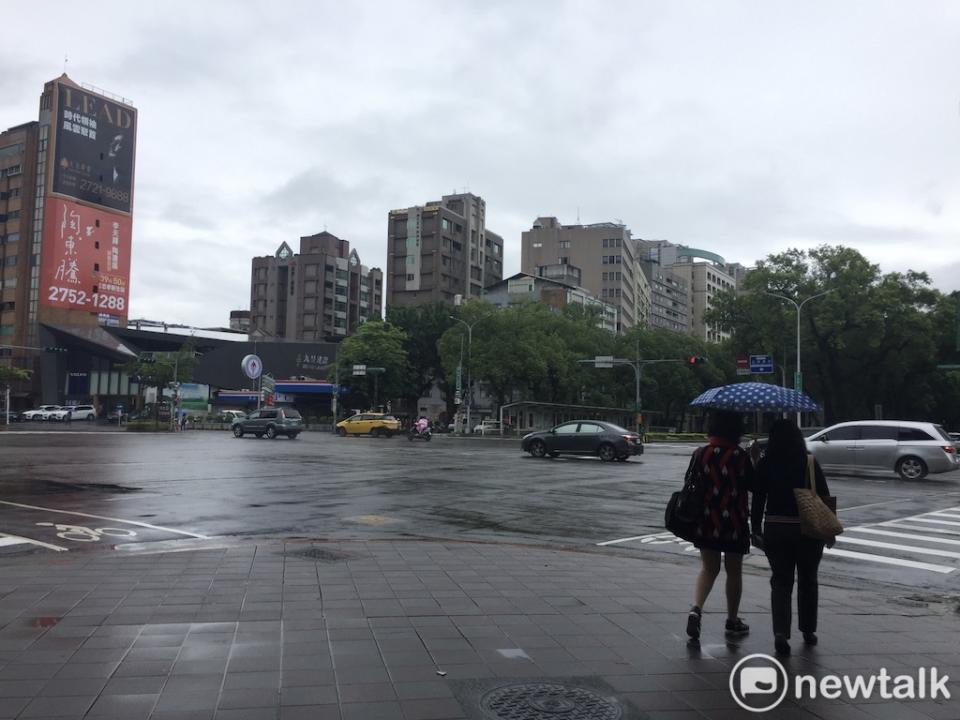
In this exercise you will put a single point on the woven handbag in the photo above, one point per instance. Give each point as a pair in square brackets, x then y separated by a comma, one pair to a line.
[817, 519]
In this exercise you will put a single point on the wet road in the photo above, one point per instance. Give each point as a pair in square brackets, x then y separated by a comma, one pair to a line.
[98, 489]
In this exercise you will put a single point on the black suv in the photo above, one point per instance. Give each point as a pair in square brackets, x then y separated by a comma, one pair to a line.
[270, 422]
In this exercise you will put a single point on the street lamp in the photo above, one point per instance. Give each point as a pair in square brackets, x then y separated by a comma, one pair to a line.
[469, 364]
[798, 378]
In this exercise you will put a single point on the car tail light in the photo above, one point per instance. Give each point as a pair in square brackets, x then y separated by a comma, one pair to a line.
[631, 438]
[949, 449]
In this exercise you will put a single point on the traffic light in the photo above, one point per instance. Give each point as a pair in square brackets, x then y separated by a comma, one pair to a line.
[696, 360]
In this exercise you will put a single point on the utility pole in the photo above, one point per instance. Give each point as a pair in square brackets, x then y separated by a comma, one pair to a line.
[469, 326]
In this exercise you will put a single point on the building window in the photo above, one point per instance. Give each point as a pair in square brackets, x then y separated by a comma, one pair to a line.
[537, 244]
[410, 277]
[564, 244]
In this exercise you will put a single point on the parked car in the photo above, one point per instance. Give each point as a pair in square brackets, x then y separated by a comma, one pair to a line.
[270, 422]
[82, 412]
[113, 417]
[61, 414]
[488, 426]
[40, 413]
[911, 449]
[376, 424]
[584, 437]
[228, 416]
[14, 416]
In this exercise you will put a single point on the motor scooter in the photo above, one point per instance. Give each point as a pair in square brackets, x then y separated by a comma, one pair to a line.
[415, 434]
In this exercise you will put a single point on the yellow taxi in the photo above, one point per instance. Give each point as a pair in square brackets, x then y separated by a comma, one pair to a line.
[376, 424]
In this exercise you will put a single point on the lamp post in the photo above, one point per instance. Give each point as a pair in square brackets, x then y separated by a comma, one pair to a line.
[798, 378]
[469, 364]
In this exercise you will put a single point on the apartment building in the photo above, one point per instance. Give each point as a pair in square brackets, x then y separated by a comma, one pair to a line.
[322, 292]
[440, 250]
[669, 297]
[705, 274]
[608, 258]
[556, 286]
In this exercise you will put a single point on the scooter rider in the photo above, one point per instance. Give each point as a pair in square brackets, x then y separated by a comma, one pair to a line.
[422, 425]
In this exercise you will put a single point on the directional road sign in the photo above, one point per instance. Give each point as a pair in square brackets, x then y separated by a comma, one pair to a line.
[761, 364]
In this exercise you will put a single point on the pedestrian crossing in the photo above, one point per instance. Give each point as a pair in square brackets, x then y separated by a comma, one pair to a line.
[929, 542]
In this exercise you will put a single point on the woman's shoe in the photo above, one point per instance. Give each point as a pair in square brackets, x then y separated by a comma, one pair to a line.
[810, 638]
[693, 623]
[737, 628]
[781, 645]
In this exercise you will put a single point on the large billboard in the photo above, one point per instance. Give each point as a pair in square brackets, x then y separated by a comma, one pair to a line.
[86, 258]
[94, 150]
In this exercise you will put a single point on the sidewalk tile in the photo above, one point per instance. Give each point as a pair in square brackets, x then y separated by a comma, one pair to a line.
[44, 707]
[432, 709]
[369, 692]
[250, 698]
[124, 707]
[372, 711]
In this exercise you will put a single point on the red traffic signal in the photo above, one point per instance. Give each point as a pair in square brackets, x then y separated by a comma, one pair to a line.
[696, 360]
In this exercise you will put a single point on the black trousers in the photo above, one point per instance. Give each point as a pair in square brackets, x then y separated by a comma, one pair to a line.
[791, 554]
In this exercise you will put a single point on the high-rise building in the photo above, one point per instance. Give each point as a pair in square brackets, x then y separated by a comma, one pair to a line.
[608, 258]
[324, 292]
[705, 274]
[66, 213]
[440, 250]
[669, 298]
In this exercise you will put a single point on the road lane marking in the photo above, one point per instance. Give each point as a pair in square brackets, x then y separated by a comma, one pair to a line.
[942, 514]
[905, 536]
[104, 517]
[628, 539]
[901, 526]
[884, 560]
[860, 507]
[896, 546]
[6, 539]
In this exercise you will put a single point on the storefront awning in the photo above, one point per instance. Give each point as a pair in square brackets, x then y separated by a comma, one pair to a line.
[304, 387]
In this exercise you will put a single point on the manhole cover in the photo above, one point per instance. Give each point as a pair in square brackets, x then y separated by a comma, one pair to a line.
[545, 701]
[318, 554]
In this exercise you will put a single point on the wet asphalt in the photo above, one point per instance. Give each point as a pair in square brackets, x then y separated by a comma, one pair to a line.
[90, 488]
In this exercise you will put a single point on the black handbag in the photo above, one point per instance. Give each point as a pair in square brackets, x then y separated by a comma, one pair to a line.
[685, 508]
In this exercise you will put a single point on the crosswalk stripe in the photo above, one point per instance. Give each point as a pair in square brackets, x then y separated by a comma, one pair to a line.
[905, 536]
[895, 546]
[7, 540]
[901, 526]
[884, 560]
[922, 518]
[949, 516]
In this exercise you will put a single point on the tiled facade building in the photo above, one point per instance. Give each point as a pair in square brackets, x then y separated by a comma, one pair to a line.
[441, 250]
[324, 292]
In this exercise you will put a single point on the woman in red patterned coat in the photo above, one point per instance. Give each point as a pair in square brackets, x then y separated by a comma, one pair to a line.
[726, 475]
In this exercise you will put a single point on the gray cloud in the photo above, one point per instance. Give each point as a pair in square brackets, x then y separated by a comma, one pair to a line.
[743, 128]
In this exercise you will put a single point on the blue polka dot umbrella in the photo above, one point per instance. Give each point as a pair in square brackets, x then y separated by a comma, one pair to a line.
[750, 396]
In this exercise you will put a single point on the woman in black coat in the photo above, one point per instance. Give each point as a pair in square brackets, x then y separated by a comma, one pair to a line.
[783, 468]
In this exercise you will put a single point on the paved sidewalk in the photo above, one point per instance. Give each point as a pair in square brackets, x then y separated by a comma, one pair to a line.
[416, 631]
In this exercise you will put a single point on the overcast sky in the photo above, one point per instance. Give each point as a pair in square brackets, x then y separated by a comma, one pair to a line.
[744, 128]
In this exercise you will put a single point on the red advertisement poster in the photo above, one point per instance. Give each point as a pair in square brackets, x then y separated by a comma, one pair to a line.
[86, 258]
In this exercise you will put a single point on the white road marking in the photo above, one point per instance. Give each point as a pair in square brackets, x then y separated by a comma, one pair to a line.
[905, 536]
[942, 514]
[894, 546]
[921, 518]
[901, 526]
[942, 569]
[103, 517]
[628, 539]
[6, 539]
[860, 507]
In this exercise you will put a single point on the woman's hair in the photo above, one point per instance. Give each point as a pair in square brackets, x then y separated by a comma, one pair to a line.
[786, 442]
[728, 425]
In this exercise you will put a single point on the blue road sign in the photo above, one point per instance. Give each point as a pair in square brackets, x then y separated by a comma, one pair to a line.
[761, 364]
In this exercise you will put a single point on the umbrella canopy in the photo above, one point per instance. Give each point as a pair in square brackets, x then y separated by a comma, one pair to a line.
[749, 396]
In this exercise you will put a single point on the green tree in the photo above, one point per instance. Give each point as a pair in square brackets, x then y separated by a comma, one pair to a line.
[9, 375]
[870, 341]
[424, 325]
[375, 344]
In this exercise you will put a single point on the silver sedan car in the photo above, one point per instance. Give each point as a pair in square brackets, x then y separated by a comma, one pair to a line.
[911, 449]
